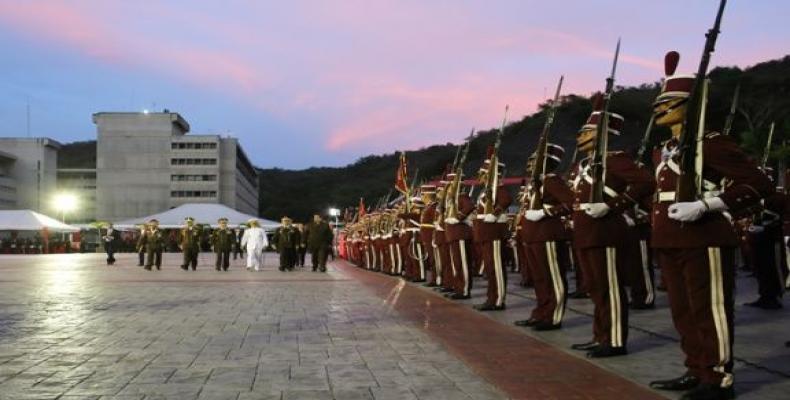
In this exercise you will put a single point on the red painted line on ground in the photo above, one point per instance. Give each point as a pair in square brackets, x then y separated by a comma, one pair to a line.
[521, 366]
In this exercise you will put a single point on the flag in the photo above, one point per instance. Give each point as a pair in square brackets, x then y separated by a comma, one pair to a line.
[402, 176]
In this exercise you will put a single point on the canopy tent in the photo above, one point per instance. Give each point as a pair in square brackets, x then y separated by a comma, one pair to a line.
[203, 213]
[29, 220]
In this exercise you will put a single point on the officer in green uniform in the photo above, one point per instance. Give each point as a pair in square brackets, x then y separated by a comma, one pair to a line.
[152, 242]
[223, 240]
[189, 241]
[286, 239]
[319, 240]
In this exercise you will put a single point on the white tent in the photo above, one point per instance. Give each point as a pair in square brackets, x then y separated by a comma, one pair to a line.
[203, 213]
[29, 220]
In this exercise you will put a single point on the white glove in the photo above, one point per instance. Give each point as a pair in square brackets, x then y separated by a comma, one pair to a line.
[693, 210]
[597, 210]
[451, 221]
[489, 218]
[787, 240]
[756, 229]
[535, 215]
[628, 220]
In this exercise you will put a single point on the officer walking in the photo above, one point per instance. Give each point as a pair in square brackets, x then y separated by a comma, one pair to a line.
[189, 240]
[285, 239]
[152, 242]
[111, 239]
[223, 240]
[319, 240]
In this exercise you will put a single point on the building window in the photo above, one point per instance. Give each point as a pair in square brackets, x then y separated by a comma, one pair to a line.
[193, 178]
[193, 146]
[193, 161]
[193, 193]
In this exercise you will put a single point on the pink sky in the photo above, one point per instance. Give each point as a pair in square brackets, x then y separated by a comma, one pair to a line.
[306, 83]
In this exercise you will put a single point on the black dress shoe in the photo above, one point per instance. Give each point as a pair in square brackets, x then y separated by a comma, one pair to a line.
[158, 267]
[546, 326]
[489, 307]
[526, 322]
[787, 344]
[707, 391]
[446, 290]
[607, 351]
[766, 303]
[430, 284]
[459, 296]
[147, 267]
[685, 382]
[643, 306]
[578, 295]
[217, 268]
[585, 346]
[184, 267]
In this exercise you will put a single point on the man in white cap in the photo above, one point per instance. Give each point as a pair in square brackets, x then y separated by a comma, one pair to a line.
[254, 241]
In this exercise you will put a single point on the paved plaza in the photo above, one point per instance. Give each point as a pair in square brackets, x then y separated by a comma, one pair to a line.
[73, 328]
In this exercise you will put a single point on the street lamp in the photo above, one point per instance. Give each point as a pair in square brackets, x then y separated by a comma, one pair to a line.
[63, 203]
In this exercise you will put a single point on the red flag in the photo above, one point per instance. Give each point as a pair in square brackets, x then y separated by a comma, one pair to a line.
[361, 212]
[402, 175]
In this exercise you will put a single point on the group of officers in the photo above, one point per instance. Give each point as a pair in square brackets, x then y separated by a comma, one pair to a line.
[445, 237]
[291, 241]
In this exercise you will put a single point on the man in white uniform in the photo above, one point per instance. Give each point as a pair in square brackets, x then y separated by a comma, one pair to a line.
[255, 242]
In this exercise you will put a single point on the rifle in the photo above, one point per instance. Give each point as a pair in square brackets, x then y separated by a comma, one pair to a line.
[640, 155]
[733, 109]
[767, 150]
[539, 164]
[492, 180]
[454, 188]
[598, 158]
[690, 180]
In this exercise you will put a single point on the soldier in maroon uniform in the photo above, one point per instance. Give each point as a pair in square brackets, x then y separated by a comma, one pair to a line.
[425, 252]
[695, 243]
[600, 229]
[769, 250]
[543, 234]
[459, 238]
[490, 229]
[441, 248]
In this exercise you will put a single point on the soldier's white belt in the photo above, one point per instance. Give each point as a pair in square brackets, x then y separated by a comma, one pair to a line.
[412, 229]
[426, 226]
[663, 197]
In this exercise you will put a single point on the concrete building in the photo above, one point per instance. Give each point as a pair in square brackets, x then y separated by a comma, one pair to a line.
[146, 163]
[28, 174]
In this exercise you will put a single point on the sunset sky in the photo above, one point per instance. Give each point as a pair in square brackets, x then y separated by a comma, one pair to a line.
[322, 83]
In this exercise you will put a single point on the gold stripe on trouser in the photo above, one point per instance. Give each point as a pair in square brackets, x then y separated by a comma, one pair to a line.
[394, 264]
[367, 259]
[719, 314]
[614, 297]
[464, 266]
[420, 260]
[515, 258]
[787, 262]
[778, 264]
[556, 280]
[499, 273]
[399, 265]
[452, 262]
[437, 262]
[646, 271]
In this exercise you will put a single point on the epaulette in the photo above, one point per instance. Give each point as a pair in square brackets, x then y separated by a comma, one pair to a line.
[711, 135]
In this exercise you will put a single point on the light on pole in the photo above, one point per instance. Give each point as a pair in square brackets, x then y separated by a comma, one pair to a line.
[334, 212]
[63, 203]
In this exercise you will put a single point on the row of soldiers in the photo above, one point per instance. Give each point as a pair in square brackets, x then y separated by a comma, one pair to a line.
[288, 240]
[613, 240]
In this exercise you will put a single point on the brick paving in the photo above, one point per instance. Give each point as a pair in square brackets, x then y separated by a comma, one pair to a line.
[72, 328]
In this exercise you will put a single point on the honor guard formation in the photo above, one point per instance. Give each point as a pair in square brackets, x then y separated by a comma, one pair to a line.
[612, 217]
